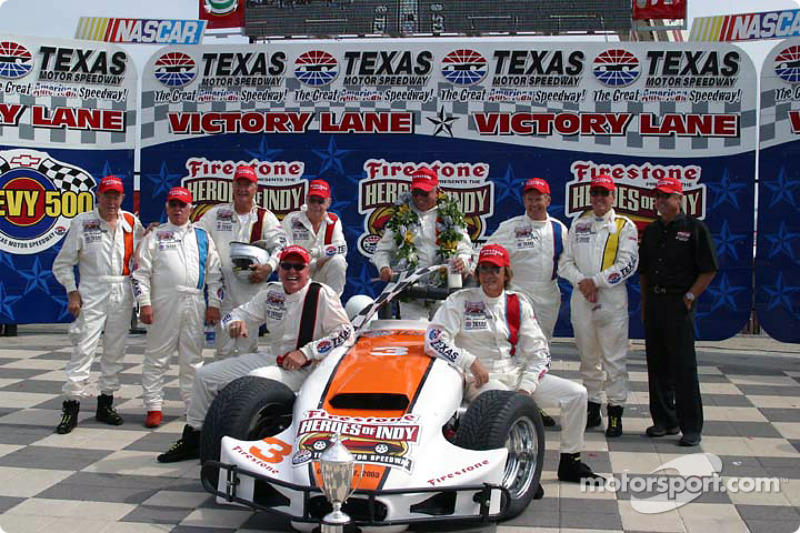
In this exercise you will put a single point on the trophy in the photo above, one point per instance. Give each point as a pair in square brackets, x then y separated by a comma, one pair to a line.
[337, 467]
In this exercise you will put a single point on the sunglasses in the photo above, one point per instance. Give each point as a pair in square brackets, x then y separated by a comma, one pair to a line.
[299, 267]
[488, 269]
[177, 203]
[662, 195]
[315, 200]
[419, 192]
[599, 192]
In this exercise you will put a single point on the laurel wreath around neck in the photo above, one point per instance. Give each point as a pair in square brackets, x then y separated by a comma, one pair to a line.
[404, 222]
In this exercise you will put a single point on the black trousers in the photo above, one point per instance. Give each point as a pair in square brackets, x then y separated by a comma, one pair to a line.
[672, 363]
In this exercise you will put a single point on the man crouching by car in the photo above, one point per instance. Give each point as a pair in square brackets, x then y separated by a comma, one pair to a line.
[306, 321]
[493, 332]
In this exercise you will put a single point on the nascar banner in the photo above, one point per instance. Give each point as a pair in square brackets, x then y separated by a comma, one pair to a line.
[143, 31]
[67, 117]
[747, 26]
[777, 275]
[485, 114]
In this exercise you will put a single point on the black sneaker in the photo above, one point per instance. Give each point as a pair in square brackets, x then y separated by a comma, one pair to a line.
[69, 416]
[657, 430]
[614, 421]
[593, 418]
[106, 412]
[187, 447]
[547, 420]
[571, 469]
[690, 439]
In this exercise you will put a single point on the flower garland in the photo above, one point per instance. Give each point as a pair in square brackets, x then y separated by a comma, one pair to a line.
[405, 223]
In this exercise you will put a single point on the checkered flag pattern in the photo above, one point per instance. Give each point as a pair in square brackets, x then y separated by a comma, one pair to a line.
[779, 96]
[65, 177]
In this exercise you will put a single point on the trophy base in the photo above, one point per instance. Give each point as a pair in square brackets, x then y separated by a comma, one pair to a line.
[336, 518]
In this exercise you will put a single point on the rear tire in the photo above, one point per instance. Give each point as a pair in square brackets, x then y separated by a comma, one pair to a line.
[505, 419]
[249, 408]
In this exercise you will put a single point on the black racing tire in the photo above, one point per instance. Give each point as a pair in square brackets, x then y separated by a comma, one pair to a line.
[505, 419]
[249, 408]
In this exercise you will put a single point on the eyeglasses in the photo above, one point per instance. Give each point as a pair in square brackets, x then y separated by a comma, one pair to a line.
[315, 200]
[419, 192]
[177, 203]
[599, 192]
[488, 269]
[662, 195]
[299, 267]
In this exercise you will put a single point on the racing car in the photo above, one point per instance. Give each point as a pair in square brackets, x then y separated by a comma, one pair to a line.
[421, 456]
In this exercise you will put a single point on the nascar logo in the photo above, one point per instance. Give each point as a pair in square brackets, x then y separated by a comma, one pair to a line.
[616, 68]
[221, 7]
[175, 69]
[15, 60]
[464, 67]
[787, 64]
[316, 68]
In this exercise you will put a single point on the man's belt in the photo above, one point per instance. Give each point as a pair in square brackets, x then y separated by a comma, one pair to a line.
[660, 289]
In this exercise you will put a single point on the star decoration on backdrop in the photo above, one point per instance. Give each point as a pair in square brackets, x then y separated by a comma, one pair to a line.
[332, 158]
[781, 190]
[362, 283]
[443, 122]
[724, 294]
[36, 278]
[6, 259]
[506, 187]
[6, 301]
[781, 242]
[726, 191]
[163, 181]
[726, 242]
[63, 309]
[264, 152]
[780, 294]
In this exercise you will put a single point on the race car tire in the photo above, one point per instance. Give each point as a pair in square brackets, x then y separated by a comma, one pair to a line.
[505, 419]
[249, 408]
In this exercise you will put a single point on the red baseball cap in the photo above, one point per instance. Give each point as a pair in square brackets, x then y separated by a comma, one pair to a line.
[181, 194]
[111, 183]
[536, 184]
[319, 188]
[244, 172]
[603, 181]
[424, 179]
[494, 254]
[297, 250]
[670, 186]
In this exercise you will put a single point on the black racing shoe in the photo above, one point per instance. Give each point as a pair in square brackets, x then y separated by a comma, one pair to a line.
[187, 447]
[614, 421]
[106, 412]
[69, 416]
[657, 430]
[547, 420]
[573, 470]
[690, 439]
[593, 418]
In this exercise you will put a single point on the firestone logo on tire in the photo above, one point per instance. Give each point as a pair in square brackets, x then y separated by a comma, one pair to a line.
[616, 68]
[15, 60]
[40, 196]
[175, 69]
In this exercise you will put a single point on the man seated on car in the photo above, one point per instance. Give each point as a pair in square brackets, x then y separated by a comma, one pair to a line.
[306, 321]
[475, 329]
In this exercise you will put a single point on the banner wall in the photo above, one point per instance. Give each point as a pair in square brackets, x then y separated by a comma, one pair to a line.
[67, 118]
[487, 114]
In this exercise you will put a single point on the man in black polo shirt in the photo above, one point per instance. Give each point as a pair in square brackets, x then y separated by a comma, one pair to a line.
[677, 261]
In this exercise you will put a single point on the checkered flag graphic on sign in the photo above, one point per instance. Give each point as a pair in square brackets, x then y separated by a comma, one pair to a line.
[4, 166]
[65, 177]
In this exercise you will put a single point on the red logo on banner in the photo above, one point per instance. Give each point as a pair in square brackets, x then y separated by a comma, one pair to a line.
[222, 13]
[659, 9]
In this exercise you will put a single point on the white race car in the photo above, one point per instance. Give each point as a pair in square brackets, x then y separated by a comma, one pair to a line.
[420, 455]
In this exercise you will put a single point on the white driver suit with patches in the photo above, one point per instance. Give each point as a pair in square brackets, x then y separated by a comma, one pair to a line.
[282, 313]
[299, 230]
[226, 226]
[532, 248]
[428, 253]
[605, 250]
[106, 293]
[472, 325]
[169, 277]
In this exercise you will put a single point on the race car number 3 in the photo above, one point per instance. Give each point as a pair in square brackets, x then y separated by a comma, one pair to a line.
[275, 451]
[389, 350]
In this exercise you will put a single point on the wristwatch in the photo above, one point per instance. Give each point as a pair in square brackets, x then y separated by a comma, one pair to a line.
[689, 296]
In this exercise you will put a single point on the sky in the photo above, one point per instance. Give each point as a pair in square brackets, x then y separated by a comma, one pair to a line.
[59, 18]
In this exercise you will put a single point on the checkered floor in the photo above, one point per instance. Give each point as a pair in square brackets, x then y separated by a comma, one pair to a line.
[102, 479]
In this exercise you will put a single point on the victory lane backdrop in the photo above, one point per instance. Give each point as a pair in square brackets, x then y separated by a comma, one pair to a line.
[486, 114]
[67, 118]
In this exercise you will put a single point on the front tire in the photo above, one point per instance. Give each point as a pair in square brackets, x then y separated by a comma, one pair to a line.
[505, 419]
[249, 408]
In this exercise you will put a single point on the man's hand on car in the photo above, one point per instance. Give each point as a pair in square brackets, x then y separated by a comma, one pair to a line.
[294, 360]
[479, 372]
[237, 329]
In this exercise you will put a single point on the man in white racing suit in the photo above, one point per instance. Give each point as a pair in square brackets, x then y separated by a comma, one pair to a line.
[492, 333]
[285, 307]
[242, 221]
[176, 262]
[425, 234]
[101, 243]
[602, 252]
[320, 232]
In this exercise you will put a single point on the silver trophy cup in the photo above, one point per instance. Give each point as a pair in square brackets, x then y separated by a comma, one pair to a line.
[337, 466]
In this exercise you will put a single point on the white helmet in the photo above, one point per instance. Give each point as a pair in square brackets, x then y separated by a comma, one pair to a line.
[243, 255]
[356, 304]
